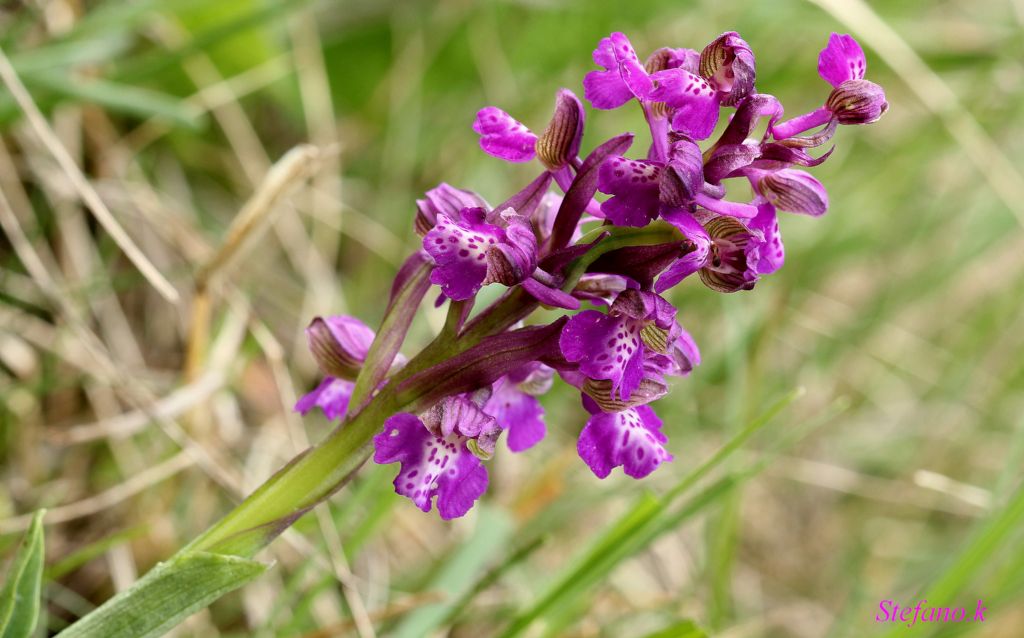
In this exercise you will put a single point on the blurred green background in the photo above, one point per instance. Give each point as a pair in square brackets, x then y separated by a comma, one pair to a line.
[895, 474]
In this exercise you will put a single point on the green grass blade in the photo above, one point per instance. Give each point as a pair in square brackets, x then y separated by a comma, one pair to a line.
[641, 524]
[977, 554]
[459, 573]
[165, 596]
[19, 600]
[121, 98]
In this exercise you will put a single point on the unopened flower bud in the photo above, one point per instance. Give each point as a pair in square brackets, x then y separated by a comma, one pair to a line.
[795, 191]
[339, 345]
[728, 64]
[559, 144]
[857, 102]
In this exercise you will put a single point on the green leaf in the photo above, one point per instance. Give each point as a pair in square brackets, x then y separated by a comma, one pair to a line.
[167, 595]
[19, 600]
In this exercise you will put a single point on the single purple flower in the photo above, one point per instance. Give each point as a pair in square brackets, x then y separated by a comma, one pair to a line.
[631, 439]
[729, 256]
[853, 100]
[339, 344]
[612, 346]
[693, 102]
[470, 252]
[557, 147]
[609, 89]
[435, 454]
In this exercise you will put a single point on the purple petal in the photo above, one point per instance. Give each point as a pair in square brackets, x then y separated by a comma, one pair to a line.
[606, 347]
[503, 136]
[550, 296]
[794, 191]
[517, 412]
[447, 200]
[633, 73]
[459, 251]
[842, 59]
[668, 58]
[692, 261]
[430, 466]
[606, 89]
[635, 190]
[581, 194]
[694, 101]
[331, 396]
[725, 207]
[631, 439]
[771, 254]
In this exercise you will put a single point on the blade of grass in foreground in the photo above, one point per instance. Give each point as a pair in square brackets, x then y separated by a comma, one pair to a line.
[19, 599]
[650, 517]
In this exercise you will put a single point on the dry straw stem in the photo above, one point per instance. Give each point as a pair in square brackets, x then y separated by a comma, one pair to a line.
[936, 96]
[245, 230]
[78, 180]
[256, 215]
[104, 500]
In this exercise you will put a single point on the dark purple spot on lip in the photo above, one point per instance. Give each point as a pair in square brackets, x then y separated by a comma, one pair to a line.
[463, 253]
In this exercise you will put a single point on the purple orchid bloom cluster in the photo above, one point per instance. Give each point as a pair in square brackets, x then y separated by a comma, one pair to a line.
[556, 245]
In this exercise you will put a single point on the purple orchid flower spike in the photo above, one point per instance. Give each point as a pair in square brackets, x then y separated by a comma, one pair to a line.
[631, 439]
[435, 454]
[482, 374]
[853, 100]
[339, 345]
